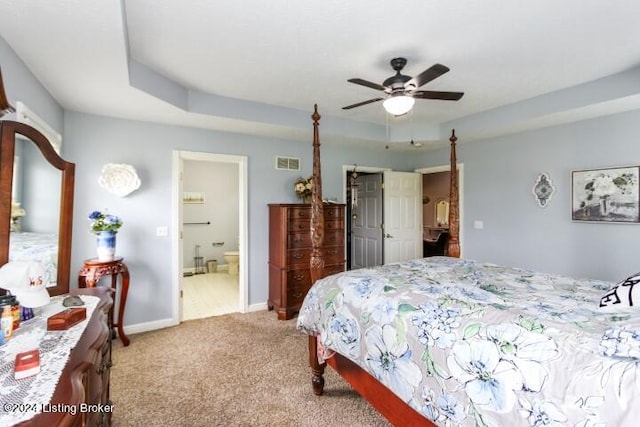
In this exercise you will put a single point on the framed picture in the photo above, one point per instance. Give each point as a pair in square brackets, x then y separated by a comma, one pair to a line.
[193, 197]
[606, 195]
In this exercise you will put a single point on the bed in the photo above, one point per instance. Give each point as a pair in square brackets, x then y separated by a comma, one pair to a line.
[450, 341]
[40, 247]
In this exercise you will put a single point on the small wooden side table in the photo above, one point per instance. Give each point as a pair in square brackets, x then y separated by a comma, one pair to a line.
[90, 275]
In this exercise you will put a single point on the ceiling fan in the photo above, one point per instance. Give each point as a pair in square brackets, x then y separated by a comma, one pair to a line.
[401, 91]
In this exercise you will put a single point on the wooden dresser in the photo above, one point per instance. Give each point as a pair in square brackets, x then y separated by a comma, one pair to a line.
[83, 389]
[290, 252]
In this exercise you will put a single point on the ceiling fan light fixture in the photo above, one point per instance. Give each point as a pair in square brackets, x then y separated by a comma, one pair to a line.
[398, 104]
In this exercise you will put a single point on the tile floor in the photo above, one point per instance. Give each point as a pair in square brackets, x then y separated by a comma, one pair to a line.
[210, 294]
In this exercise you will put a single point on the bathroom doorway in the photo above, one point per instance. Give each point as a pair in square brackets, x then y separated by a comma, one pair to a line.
[210, 206]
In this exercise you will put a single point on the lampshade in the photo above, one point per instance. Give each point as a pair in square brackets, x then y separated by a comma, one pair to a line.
[398, 105]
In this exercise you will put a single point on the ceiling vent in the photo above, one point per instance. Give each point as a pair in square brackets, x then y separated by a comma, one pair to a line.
[288, 163]
[26, 116]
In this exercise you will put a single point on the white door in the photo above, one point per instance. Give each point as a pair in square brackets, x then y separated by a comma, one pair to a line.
[402, 197]
[366, 221]
[178, 260]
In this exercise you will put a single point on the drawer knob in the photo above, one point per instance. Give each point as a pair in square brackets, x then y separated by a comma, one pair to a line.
[299, 276]
[298, 256]
[297, 294]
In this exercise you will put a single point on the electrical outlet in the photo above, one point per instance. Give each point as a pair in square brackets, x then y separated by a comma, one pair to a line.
[162, 231]
[478, 225]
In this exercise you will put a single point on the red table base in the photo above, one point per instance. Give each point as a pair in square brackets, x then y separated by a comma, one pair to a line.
[90, 275]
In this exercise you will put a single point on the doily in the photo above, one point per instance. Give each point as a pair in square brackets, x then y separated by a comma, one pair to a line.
[23, 399]
[119, 179]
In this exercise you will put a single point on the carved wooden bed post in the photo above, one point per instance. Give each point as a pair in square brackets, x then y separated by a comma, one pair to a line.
[453, 248]
[317, 257]
[317, 210]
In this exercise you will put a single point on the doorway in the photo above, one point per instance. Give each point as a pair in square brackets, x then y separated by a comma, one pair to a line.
[408, 249]
[205, 236]
[435, 221]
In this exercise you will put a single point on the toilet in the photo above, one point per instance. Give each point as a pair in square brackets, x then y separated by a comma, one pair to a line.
[232, 258]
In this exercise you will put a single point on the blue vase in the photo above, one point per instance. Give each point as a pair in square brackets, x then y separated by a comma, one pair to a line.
[106, 245]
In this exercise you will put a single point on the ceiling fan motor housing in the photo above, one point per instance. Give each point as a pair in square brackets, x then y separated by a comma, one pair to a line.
[397, 82]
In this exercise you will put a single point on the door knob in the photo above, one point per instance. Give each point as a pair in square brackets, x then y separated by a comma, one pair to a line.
[388, 236]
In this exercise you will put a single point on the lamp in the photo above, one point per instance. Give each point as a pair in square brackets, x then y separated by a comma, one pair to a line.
[398, 104]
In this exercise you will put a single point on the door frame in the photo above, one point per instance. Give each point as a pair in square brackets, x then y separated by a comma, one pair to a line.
[177, 225]
[460, 169]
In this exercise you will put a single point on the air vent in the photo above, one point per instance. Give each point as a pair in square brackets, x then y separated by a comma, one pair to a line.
[288, 163]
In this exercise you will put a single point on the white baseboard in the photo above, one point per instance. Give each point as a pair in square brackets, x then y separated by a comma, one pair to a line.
[257, 307]
[165, 323]
[149, 326]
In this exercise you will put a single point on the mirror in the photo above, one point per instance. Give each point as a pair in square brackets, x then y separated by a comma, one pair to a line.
[442, 213]
[32, 172]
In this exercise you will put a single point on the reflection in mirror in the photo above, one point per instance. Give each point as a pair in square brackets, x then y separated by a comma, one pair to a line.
[442, 213]
[36, 200]
[35, 212]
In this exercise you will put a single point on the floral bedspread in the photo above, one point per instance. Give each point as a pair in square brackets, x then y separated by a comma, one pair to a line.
[476, 344]
[40, 247]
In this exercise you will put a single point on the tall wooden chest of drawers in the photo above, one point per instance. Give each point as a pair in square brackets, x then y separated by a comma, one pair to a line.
[290, 252]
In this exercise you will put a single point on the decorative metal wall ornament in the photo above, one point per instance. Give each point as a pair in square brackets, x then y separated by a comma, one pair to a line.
[543, 189]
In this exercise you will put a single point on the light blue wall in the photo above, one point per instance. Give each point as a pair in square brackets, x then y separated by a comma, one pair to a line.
[21, 85]
[92, 141]
[499, 174]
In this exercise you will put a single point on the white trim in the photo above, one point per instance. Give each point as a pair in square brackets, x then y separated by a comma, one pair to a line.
[257, 307]
[447, 168]
[148, 326]
[242, 162]
[26, 116]
[349, 168]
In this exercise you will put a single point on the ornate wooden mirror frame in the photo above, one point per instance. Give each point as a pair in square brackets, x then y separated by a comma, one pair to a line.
[9, 131]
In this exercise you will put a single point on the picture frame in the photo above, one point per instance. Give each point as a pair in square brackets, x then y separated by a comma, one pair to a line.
[193, 197]
[609, 195]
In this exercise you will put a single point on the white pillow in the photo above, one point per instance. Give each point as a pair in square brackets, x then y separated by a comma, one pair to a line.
[623, 295]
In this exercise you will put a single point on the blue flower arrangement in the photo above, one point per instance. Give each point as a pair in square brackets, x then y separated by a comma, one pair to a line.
[104, 222]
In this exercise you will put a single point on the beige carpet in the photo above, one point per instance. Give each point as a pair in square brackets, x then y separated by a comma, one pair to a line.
[232, 370]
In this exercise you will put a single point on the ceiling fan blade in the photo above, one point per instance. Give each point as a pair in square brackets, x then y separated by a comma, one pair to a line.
[426, 76]
[432, 94]
[368, 84]
[359, 104]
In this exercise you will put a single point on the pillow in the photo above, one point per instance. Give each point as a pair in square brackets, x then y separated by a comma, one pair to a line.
[622, 295]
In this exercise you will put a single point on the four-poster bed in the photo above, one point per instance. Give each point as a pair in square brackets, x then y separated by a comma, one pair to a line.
[448, 341]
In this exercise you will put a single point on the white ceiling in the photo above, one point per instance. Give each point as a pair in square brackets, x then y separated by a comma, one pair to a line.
[258, 67]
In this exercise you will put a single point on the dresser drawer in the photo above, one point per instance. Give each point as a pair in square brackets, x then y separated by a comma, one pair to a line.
[299, 225]
[297, 257]
[301, 277]
[333, 224]
[296, 294]
[299, 240]
[333, 269]
[333, 238]
[333, 212]
[302, 257]
[333, 255]
[302, 212]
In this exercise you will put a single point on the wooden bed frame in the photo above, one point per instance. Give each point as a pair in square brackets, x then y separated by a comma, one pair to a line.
[379, 396]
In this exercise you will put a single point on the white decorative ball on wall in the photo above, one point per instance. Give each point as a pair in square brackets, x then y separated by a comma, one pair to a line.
[119, 179]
